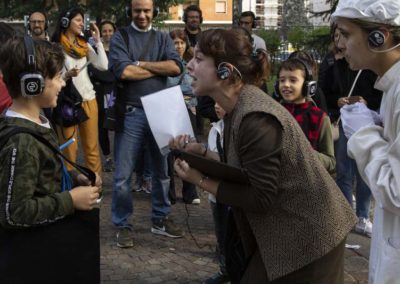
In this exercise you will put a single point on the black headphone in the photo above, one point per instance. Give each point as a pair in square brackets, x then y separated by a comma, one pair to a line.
[46, 21]
[192, 8]
[376, 38]
[128, 11]
[309, 87]
[223, 71]
[32, 82]
[65, 21]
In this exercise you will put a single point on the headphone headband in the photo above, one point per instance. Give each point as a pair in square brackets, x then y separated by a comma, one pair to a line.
[30, 53]
[308, 72]
[32, 82]
[224, 72]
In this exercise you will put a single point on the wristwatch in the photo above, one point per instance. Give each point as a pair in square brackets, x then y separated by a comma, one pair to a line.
[136, 63]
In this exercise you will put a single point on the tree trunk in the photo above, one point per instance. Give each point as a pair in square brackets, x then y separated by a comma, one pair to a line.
[237, 10]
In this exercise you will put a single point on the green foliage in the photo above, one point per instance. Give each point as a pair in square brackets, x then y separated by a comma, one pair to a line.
[318, 40]
[272, 40]
[297, 37]
[98, 9]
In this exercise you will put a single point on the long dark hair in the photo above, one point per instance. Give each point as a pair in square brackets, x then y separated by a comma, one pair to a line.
[70, 14]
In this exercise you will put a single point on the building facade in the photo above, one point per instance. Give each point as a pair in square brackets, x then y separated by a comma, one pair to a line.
[216, 13]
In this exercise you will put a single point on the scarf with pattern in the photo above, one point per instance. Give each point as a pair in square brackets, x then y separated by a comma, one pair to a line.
[310, 118]
[75, 50]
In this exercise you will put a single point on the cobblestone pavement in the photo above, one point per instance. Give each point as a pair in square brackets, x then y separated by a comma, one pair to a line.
[158, 259]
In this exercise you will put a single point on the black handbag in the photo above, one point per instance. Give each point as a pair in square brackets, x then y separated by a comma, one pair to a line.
[69, 111]
[109, 118]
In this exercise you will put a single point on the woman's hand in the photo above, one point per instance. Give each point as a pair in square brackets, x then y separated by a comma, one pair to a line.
[186, 173]
[186, 143]
[72, 72]
[95, 32]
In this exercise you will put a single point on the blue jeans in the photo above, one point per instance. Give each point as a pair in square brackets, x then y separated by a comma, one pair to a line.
[128, 145]
[143, 166]
[346, 170]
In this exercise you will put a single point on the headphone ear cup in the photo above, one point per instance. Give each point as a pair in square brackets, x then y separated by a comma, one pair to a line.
[223, 72]
[128, 12]
[276, 88]
[32, 84]
[376, 38]
[309, 88]
[156, 11]
[65, 22]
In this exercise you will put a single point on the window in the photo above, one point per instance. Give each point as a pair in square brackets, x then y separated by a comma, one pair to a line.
[220, 7]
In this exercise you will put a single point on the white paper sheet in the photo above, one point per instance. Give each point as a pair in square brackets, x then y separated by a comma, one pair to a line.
[167, 116]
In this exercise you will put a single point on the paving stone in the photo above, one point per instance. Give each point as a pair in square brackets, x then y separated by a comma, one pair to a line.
[158, 259]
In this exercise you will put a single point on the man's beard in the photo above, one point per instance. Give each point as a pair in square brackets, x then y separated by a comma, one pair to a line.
[193, 28]
[37, 32]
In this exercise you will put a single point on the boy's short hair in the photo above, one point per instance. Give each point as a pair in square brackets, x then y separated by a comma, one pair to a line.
[13, 63]
[293, 64]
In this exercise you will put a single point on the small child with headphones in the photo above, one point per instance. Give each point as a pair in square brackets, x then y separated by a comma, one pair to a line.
[295, 84]
[36, 206]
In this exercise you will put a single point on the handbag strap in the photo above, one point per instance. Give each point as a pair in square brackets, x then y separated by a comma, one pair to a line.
[15, 130]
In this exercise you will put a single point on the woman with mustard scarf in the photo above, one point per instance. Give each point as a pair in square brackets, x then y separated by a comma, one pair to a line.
[77, 53]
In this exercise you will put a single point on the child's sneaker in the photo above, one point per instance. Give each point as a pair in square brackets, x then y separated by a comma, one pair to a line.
[364, 227]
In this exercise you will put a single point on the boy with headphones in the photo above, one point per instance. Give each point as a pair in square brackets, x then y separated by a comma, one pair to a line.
[295, 84]
[37, 198]
[369, 37]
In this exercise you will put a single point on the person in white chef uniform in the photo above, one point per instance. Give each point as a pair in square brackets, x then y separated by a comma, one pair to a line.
[370, 39]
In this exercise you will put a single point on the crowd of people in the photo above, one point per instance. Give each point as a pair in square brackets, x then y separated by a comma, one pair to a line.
[285, 222]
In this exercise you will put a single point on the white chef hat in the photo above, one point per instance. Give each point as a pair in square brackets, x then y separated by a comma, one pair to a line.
[376, 11]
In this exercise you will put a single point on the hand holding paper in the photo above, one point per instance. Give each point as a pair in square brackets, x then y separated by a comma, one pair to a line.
[167, 115]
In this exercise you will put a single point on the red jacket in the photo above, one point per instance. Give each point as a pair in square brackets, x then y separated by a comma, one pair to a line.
[5, 99]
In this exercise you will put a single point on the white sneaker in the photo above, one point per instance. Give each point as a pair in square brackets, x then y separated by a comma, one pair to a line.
[196, 201]
[364, 227]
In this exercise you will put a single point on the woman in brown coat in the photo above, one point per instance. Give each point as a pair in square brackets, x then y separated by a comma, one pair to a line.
[291, 218]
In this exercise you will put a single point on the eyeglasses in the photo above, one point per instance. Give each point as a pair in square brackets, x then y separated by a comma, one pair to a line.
[245, 23]
[193, 17]
[36, 22]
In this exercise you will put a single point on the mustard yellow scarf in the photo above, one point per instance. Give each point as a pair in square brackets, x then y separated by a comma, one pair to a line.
[76, 50]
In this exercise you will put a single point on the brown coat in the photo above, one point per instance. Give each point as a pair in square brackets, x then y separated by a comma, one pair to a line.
[310, 216]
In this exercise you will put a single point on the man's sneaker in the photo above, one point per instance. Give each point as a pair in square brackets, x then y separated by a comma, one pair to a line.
[138, 187]
[108, 166]
[146, 186]
[124, 239]
[218, 278]
[166, 227]
[364, 227]
[196, 201]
